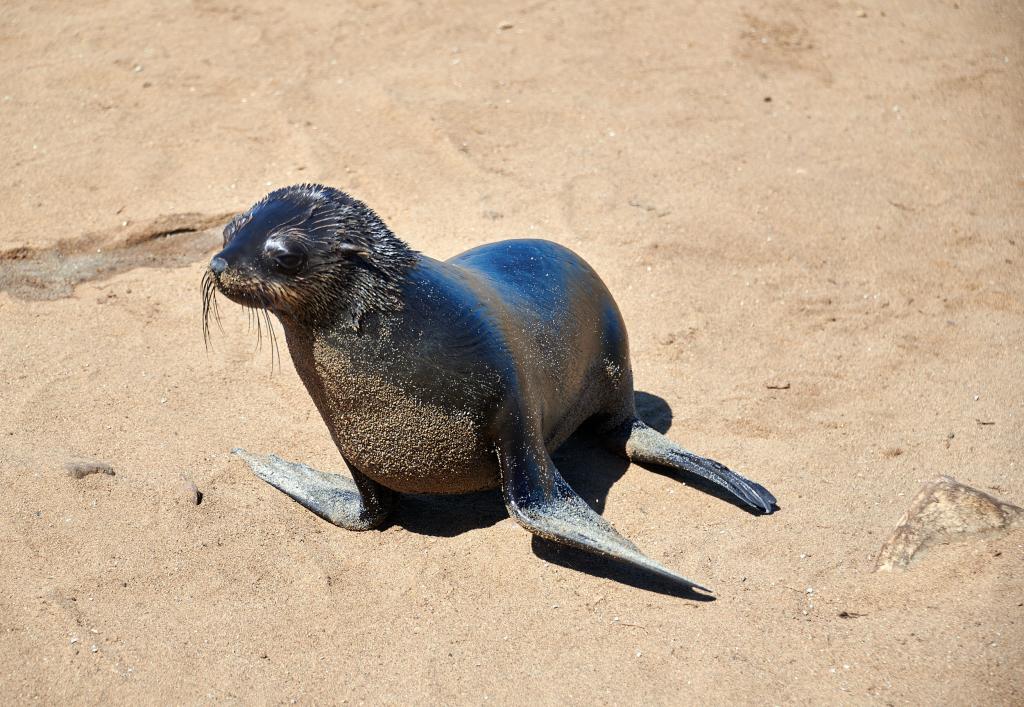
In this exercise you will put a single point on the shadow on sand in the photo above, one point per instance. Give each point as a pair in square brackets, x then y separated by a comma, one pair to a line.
[591, 471]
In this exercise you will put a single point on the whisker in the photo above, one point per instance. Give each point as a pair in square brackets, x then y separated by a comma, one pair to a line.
[206, 314]
[216, 308]
[274, 350]
[209, 293]
[254, 317]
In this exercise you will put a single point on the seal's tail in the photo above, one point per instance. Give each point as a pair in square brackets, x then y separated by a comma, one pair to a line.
[645, 445]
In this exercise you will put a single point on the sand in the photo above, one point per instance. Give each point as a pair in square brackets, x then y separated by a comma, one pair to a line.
[811, 215]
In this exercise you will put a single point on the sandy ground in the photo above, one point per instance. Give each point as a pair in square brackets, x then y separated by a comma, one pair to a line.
[827, 195]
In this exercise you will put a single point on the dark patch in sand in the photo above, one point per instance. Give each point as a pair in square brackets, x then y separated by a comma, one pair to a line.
[80, 468]
[174, 240]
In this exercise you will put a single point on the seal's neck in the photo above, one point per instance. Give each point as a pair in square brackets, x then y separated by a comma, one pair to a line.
[371, 282]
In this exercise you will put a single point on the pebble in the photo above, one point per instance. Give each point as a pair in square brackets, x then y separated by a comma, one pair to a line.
[80, 468]
[188, 491]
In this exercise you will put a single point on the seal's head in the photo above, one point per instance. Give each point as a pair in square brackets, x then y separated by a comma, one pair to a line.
[310, 254]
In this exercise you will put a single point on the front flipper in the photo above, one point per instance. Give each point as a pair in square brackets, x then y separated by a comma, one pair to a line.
[540, 500]
[354, 504]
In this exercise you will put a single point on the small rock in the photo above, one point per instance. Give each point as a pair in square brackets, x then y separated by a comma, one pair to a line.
[80, 468]
[505, 25]
[189, 492]
[944, 510]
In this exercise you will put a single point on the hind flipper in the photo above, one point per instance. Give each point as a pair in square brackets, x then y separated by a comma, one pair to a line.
[648, 446]
[354, 504]
[540, 500]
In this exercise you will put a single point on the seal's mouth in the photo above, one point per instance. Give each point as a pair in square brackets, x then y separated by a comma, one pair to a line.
[238, 290]
[235, 288]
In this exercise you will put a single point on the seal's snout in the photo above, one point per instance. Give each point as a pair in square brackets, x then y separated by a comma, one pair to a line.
[218, 265]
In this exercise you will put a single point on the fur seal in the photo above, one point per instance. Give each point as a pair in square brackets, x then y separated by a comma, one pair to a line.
[445, 377]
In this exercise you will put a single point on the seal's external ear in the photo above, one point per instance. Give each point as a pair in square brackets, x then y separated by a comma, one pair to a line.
[352, 249]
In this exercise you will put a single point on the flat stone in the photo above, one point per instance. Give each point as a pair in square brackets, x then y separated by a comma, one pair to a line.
[945, 510]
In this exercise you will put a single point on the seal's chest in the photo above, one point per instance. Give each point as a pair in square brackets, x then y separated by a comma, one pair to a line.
[405, 443]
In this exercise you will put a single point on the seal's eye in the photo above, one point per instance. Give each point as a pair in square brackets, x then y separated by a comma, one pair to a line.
[288, 261]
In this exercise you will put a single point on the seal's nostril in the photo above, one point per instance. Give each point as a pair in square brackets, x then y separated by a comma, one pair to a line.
[218, 265]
